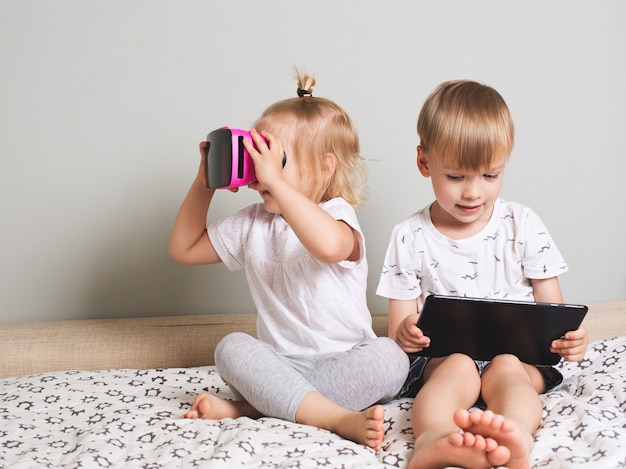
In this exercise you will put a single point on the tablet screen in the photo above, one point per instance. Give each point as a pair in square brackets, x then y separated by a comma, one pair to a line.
[484, 328]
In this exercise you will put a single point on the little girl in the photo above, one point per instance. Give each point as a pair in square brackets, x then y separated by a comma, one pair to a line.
[317, 360]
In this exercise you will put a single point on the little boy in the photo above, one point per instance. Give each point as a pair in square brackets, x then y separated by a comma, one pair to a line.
[469, 242]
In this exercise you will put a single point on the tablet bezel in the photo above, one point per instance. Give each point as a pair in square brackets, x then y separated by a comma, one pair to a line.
[484, 328]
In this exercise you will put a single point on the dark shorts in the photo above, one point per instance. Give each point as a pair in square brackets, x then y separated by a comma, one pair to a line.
[551, 376]
[413, 381]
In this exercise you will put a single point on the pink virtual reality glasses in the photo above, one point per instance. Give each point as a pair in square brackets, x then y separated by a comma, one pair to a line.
[228, 162]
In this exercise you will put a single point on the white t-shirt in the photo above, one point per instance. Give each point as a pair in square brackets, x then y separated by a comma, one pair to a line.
[497, 262]
[304, 306]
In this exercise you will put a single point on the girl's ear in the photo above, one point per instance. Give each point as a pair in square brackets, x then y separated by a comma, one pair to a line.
[422, 162]
[329, 165]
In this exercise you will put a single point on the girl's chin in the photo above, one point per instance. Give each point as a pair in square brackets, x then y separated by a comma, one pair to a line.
[270, 205]
[271, 209]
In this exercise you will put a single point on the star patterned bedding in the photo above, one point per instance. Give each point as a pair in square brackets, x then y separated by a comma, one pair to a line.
[131, 419]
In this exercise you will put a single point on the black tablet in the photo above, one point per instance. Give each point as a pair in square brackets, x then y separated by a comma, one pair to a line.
[484, 328]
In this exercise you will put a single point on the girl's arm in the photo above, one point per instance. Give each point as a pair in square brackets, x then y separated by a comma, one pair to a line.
[573, 346]
[326, 238]
[189, 243]
[403, 328]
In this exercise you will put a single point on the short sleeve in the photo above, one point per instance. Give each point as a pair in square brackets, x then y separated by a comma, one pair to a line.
[399, 278]
[541, 257]
[228, 237]
[339, 209]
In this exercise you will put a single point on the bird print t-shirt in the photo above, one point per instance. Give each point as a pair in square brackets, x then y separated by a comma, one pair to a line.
[498, 262]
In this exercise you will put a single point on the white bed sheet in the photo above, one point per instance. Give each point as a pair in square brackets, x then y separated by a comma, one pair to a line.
[131, 418]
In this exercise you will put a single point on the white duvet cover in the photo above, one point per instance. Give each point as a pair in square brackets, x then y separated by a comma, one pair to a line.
[131, 419]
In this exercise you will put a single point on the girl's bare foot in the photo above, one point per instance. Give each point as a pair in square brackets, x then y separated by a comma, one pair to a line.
[207, 406]
[365, 427]
[505, 431]
[369, 427]
[455, 449]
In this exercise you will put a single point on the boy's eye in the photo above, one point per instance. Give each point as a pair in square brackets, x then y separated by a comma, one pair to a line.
[453, 177]
[490, 176]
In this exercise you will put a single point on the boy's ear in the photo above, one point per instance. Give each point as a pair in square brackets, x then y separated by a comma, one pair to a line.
[422, 162]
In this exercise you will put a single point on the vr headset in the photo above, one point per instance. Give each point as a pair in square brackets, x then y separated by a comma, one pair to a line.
[228, 162]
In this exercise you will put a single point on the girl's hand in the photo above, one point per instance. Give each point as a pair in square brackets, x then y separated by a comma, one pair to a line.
[189, 243]
[573, 346]
[267, 156]
[204, 156]
[409, 337]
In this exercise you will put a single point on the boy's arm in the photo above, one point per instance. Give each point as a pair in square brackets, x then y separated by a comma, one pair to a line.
[189, 242]
[574, 344]
[403, 328]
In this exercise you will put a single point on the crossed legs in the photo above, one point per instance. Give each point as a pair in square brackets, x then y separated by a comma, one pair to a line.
[324, 391]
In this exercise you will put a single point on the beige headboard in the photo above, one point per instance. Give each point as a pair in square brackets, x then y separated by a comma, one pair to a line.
[172, 341]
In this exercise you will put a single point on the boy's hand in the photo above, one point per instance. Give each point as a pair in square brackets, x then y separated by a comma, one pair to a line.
[573, 346]
[409, 337]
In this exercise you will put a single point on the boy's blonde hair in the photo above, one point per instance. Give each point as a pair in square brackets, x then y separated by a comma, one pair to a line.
[322, 128]
[466, 125]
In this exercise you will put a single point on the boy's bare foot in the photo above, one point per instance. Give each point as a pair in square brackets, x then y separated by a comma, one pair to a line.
[455, 449]
[207, 406]
[505, 431]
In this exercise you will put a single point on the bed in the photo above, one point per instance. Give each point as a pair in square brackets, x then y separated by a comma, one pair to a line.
[110, 393]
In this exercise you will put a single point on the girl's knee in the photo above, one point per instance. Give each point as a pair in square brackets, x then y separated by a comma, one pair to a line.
[231, 346]
[392, 355]
[395, 364]
[391, 348]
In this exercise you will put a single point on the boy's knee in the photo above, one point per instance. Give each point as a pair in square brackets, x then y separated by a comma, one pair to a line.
[505, 361]
[459, 365]
[460, 362]
[503, 366]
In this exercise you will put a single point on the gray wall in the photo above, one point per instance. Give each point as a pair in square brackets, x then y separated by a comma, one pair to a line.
[103, 103]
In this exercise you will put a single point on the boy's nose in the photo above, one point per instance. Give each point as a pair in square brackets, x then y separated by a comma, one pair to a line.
[471, 190]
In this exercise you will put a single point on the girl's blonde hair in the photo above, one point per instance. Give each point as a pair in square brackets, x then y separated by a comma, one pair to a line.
[322, 129]
[466, 124]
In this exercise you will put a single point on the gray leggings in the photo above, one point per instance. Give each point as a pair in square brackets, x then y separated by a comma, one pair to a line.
[274, 384]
